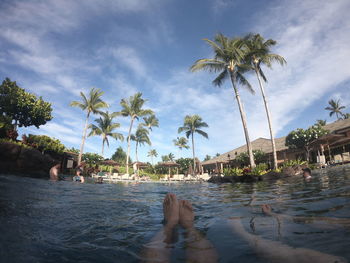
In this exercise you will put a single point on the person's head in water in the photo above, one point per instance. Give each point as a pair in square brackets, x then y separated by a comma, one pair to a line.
[307, 173]
[78, 172]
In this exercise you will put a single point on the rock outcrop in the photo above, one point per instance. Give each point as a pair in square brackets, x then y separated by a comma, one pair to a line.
[17, 159]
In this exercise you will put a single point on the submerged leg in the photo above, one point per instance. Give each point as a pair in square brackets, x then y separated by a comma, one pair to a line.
[159, 248]
[274, 251]
[198, 248]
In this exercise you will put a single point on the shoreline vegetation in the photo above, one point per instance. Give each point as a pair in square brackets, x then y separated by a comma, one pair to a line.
[233, 60]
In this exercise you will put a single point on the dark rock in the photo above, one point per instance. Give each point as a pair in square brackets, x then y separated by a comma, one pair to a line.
[9, 151]
[288, 171]
[26, 161]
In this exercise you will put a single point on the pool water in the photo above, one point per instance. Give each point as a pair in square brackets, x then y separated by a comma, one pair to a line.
[46, 221]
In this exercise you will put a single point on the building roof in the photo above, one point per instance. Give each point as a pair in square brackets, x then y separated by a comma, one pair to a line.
[262, 144]
[265, 144]
[337, 125]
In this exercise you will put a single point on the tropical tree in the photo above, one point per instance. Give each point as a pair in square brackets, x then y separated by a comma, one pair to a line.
[301, 139]
[105, 128]
[120, 156]
[181, 143]
[207, 158]
[152, 153]
[150, 121]
[321, 123]
[217, 154]
[229, 61]
[140, 137]
[193, 124]
[91, 104]
[335, 108]
[258, 54]
[23, 108]
[132, 108]
[346, 116]
[165, 158]
[171, 157]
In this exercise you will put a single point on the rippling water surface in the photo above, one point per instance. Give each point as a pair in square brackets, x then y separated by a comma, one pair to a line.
[45, 221]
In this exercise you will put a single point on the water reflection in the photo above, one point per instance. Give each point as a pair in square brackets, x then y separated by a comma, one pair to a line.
[49, 221]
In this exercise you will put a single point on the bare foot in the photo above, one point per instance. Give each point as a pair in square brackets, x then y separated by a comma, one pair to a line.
[266, 209]
[171, 210]
[186, 214]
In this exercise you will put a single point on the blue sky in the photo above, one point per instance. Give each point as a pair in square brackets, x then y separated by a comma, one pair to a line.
[57, 48]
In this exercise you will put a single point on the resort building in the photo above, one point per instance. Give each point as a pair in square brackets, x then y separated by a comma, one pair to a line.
[331, 148]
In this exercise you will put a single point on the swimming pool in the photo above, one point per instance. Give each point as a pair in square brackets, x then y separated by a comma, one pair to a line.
[45, 221]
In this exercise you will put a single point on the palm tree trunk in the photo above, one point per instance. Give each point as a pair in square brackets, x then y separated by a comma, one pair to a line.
[194, 157]
[137, 159]
[244, 121]
[83, 139]
[103, 146]
[268, 114]
[128, 153]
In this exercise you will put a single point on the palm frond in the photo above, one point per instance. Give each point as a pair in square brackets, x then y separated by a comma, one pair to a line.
[219, 80]
[204, 134]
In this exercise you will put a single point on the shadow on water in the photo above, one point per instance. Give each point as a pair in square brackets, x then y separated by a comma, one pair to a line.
[45, 221]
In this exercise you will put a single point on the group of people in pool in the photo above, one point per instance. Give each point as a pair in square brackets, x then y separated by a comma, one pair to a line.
[199, 249]
[55, 176]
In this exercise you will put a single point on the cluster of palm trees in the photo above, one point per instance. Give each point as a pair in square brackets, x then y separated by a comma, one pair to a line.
[336, 108]
[104, 125]
[233, 59]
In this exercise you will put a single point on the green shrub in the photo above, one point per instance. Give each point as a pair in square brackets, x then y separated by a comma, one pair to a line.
[291, 163]
[92, 158]
[122, 170]
[44, 143]
[233, 171]
[107, 168]
[2, 140]
[260, 169]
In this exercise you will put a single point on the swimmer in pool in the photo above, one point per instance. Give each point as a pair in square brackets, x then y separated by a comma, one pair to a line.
[307, 174]
[54, 172]
[78, 177]
[179, 212]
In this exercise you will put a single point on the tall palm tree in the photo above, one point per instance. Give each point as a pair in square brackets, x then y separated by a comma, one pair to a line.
[151, 121]
[229, 61]
[105, 127]
[193, 124]
[335, 108]
[259, 53]
[132, 108]
[152, 153]
[181, 142]
[91, 104]
[171, 157]
[140, 137]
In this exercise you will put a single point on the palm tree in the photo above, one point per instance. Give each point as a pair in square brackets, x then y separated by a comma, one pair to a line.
[181, 142]
[105, 128]
[132, 108]
[335, 107]
[91, 104]
[321, 123]
[140, 137]
[151, 121]
[229, 61]
[171, 157]
[259, 54]
[165, 158]
[152, 153]
[193, 124]
[346, 116]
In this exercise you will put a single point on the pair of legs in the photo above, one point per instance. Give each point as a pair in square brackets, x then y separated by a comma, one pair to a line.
[179, 212]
